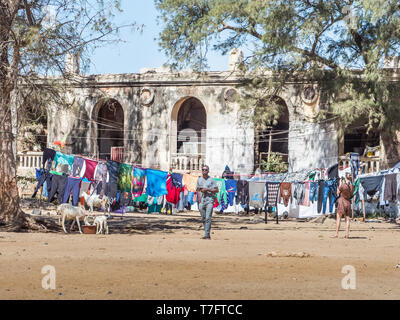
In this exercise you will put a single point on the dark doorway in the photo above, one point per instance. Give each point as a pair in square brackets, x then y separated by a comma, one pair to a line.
[192, 122]
[275, 138]
[110, 127]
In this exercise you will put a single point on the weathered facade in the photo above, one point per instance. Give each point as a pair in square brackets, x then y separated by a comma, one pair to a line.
[181, 120]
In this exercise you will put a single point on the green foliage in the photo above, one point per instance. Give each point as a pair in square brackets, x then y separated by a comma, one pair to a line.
[295, 40]
[275, 164]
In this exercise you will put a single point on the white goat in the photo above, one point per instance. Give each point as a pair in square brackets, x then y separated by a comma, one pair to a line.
[101, 223]
[69, 212]
[95, 201]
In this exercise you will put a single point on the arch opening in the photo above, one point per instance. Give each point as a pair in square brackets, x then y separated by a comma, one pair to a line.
[110, 127]
[273, 138]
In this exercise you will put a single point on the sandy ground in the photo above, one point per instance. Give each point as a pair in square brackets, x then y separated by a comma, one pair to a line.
[168, 260]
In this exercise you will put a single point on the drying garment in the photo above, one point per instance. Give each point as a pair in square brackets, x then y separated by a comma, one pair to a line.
[390, 192]
[113, 169]
[306, 201]
[371, 186]
[299, 192]
[78, 167]
[343, 203]
[190, 198]
[48, 155]
[224, 205]
[142, 198]
[285, 193]
[330, 191]
[72, 186]
[356, 194]
[46, 176]
[256, 194]
[272, 191]
[333, 171]
[320, 195]
[90, 169]
[242, 194]
[62, 158]
[138, 180]
[231, 187]
[177, 179]
[58, 184]
[313, 191]
[154, 208]
[208, 183]
[354, 164]
[125, 177]
[101, 172]
[85, 184]
[221, 194]
[182, 203]
[156, 182]
[190, 182]
[173, 195]
[46, 189]
[382, 193]
[111, 190]
[38, 173]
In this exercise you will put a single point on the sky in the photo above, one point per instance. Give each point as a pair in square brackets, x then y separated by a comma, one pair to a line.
[139, 50]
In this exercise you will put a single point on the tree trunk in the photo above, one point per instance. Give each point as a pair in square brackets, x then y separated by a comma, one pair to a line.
[390, 149]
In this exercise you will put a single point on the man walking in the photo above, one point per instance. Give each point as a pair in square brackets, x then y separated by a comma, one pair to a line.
[207, 188]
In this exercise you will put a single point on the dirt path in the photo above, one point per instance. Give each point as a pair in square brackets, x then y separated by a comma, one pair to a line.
[168, 260]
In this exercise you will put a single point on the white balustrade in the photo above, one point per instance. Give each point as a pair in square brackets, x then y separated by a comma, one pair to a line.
[187, 162]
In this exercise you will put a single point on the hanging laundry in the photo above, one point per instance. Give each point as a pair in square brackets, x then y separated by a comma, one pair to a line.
[177, 179]
[90, 169]
[390, 192]
[256, 194]
[48, 156]
[112, 169]
[58, 184]
[285, 193]
[355, 164]
[227, 174]
[371, 185]
[306, 201]
[156, 183]
[231, 188]
[299, 192]
[333, 171]
[190, 181]
[242, 195]
[272, 191]
[138, 180]
[330, 192]
[221, 194]
[313, 191]
[173, 195]
[61, 158]
[78, 167]
[125, 177]
[72, 185]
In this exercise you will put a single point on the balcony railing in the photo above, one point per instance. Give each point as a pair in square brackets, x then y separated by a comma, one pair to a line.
[187, 162]
[371, 164]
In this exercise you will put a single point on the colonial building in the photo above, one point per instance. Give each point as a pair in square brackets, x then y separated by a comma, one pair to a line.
[181, 120]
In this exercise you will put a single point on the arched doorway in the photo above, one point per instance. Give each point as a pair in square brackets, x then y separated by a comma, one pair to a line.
[110, 127]
[273, 139]
[188, 134]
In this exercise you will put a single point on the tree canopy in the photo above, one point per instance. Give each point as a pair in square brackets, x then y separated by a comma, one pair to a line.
[339, 44]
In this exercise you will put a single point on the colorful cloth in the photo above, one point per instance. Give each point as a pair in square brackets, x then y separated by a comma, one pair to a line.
[138, 180]
[222, 194]
[190, 182]
[142, 198]
[156, 183]
[90, 169]
[61, 158]
[173, 192]
[125, 177]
